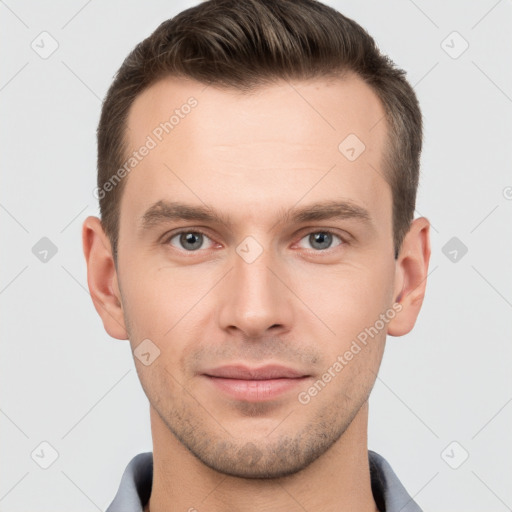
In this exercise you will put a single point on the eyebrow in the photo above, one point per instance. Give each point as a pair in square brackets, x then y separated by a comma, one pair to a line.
[164, 211]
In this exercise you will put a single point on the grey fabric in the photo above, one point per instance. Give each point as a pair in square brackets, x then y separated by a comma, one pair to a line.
[388, 492]
[135, 488]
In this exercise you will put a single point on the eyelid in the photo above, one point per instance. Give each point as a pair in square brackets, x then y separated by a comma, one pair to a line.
[319, 229]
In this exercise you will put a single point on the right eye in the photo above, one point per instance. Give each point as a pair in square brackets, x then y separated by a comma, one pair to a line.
[189, 240]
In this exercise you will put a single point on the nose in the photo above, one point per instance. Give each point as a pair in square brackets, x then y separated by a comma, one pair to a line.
[255, 297]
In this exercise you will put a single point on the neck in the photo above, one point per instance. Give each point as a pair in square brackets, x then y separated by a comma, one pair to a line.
[339, 480]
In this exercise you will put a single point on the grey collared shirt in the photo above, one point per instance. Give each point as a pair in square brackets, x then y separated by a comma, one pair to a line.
[135, 488]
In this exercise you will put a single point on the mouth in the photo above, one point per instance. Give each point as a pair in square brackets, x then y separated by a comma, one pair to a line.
[255, 384]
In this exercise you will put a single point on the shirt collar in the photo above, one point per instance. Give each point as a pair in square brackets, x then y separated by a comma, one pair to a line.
[135, 488]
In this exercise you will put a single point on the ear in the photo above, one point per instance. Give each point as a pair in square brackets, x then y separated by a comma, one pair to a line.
[411, 276]
[102, 278]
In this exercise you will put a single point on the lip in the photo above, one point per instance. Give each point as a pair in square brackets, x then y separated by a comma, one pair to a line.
[267, 372]
[255, 384]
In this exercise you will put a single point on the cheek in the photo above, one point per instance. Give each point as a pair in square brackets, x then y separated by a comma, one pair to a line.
[158, 297]
[164, 304]
[348, 297]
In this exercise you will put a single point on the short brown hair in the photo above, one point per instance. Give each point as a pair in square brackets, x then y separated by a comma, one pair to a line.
[243, 44]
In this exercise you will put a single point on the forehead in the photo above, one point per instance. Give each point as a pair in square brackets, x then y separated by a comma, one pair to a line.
[280, 144]
[311, 109]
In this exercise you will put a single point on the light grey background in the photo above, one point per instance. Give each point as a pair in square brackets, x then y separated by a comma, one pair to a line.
[66, 382]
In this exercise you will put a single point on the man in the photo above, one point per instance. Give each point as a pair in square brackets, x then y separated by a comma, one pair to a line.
[274, 139]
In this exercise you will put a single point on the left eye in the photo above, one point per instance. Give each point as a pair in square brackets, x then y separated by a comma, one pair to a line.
[321, 240]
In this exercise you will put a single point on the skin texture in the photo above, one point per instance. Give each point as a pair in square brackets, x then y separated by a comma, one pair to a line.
[251, 157]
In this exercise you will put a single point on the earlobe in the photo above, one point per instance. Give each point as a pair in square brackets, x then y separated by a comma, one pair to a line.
[411, 276]
[102, 278]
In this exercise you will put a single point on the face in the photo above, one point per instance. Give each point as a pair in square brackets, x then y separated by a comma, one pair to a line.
[254, 304]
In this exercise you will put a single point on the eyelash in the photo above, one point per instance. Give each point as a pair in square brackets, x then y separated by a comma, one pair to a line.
[319, 251]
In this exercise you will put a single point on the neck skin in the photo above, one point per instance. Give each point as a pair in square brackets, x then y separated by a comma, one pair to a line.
[339, 480]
